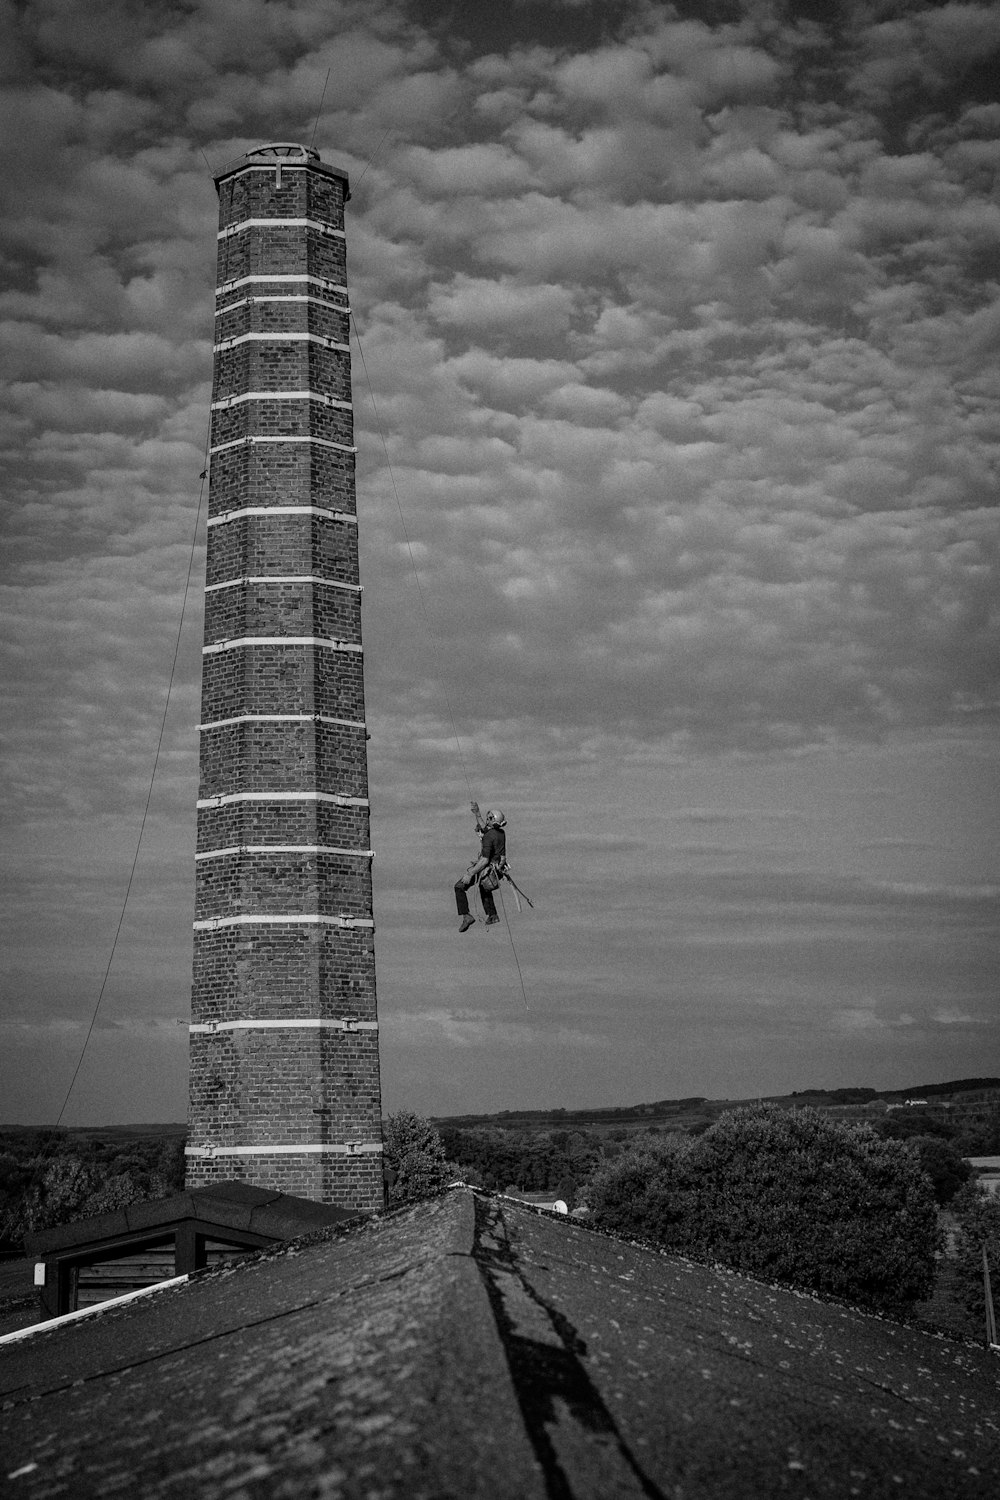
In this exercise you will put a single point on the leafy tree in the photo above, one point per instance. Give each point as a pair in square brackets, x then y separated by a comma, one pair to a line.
[414, 1158]
[58, 1194]
[978, 1223]
[796, 1196]
[945, 1167]
[647, 1192]
[788, 1195]
[980, 1135]
[50, 1177]
[526, 1161]
[902, 1124]
[566, 1192]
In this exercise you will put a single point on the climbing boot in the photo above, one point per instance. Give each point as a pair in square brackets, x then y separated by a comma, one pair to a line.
[466, 922]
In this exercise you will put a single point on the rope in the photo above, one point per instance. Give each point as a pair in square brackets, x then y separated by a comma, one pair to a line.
[513, 950]
[423, 607]
[409, 548]
[149, 793]
[320, 110]
[362, 178]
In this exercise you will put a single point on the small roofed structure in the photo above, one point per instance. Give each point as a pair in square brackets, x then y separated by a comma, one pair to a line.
[987, 1171]
[93, 1260]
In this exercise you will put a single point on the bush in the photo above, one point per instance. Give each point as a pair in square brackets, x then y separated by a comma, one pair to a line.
[413, 1159]
[977, 1215]
[787, 1195]
[945, 1167]
[647, 1193]
[527, 1161]
[794, 1196]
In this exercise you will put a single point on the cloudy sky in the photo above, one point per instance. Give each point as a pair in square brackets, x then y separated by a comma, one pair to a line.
[681, 323]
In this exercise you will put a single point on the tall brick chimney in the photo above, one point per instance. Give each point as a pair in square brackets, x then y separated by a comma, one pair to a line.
[284, 1072]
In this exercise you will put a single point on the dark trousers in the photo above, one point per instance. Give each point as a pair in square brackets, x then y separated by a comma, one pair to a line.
[462, 900]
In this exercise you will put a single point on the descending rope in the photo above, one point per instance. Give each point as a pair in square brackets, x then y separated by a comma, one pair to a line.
[362, 177]
[320, 109]
[427, 623]
[520, 976]
[409, 547]
[149, 793]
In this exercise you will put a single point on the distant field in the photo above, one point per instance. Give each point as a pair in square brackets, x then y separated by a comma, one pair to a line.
[696, 1113]
[691, 1113]
[102, 1132]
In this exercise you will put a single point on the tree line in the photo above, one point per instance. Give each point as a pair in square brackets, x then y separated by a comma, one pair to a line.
[794, 1196]
[50, 1177]
[790, 1196]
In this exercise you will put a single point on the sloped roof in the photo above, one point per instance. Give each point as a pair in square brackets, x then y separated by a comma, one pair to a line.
[472, 1347]
[228, 1205]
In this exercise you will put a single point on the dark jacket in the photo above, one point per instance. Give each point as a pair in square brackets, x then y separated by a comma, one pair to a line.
[494, 844]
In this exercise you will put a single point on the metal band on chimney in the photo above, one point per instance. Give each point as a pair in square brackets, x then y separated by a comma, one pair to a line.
[327, 230]
[349, 1148]
[285, 510]
[224, 798]
[280, 640]
[343, 1023]
[257, 919]
[231, 849]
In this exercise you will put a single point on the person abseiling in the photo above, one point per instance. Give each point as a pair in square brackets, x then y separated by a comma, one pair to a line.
[486, 870]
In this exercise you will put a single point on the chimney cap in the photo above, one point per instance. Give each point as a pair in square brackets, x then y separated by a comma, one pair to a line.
[283, 154]
[285, 150]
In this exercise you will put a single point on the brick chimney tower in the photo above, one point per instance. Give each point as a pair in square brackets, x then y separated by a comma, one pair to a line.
[284, 1072]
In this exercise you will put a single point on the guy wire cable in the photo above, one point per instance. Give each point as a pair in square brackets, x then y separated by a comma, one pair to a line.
[320, 109]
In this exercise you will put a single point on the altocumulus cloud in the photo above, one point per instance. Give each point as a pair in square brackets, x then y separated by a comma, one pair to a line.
[681, 325]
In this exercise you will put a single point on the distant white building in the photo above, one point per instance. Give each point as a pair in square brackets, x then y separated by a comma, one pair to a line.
[987, 1170]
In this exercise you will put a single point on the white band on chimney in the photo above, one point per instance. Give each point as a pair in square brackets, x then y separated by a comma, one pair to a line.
[250, 439]
[332, 583]
[279, 338]
[344, 1023]
[281, 719]
[282, 849]
[283, 510]
[225, 402]
[326, 229]
[254, 297]
[280, 640]
[256, 919]
[349, 1148]
[224, 798]
[324, 281]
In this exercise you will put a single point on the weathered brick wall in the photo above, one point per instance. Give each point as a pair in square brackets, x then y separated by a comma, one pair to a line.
[267, 756]
[286, 608]
[274, 679]
[241, 823]
[262, 545]
[284, 1044]
[354, 1181]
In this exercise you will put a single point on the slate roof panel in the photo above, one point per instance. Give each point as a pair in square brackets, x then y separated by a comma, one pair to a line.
[470, 1346]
